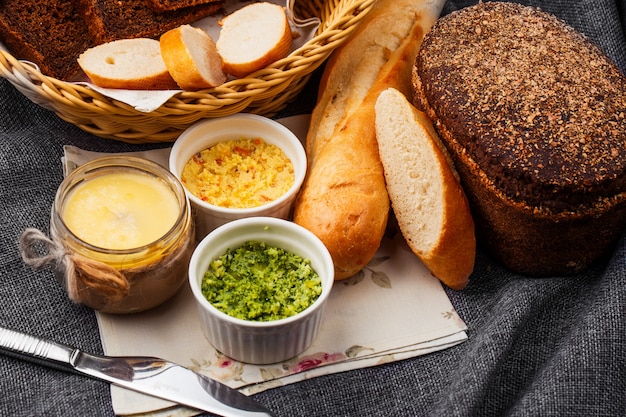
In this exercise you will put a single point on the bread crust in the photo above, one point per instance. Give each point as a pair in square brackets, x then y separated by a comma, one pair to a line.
[279, 51]
[239, 65]
[115, 65]
[431, 208]
[109, 20]
[344, 200]
[188, 72]
[50, 33]
[163, 6]
[540, 212]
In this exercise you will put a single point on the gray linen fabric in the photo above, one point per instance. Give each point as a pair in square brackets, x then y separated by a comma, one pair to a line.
[537, 347]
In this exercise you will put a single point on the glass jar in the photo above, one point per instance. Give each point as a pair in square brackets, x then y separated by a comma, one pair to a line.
[109, 277]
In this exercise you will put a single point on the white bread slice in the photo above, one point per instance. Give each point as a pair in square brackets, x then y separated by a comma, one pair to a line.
[191, 57]
[427, 199]
[253, 37]
[133, 64]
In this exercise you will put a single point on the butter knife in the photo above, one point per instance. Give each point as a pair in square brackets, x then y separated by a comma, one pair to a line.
[147, 375]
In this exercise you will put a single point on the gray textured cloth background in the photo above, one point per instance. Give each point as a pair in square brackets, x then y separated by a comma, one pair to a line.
[537, 347]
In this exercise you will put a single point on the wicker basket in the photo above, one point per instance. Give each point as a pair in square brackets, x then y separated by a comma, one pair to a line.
[265, 92]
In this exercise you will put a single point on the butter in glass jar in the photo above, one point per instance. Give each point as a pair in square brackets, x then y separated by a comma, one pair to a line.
[125, 229]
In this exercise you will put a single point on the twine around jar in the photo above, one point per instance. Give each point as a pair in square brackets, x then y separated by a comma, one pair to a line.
[79, 271]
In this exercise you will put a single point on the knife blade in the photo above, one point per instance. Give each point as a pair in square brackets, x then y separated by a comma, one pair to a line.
[148, 375]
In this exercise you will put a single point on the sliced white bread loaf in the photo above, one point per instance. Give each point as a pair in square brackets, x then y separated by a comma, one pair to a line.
[133, 64]
[427, 199]
[191, 58]
[253, 37]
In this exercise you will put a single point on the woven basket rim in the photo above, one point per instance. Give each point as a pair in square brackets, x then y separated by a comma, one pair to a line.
[264, 92]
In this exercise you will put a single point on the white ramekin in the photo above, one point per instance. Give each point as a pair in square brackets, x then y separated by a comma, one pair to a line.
[206, 133]
[261, 342]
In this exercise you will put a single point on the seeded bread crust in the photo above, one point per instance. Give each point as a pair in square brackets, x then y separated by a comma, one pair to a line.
[534, 116]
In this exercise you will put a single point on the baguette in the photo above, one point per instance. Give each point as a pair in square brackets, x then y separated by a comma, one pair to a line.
[344, 200]
[426, 196]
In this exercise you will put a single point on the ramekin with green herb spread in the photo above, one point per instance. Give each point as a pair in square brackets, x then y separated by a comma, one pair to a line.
[260, 282]
[260, 285]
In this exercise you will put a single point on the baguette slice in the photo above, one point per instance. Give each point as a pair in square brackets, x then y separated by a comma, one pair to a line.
[191, 58]
[431, 208]
[253, 37]
[133, 64]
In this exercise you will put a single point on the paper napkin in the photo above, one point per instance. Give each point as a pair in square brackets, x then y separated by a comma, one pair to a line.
[392, 310]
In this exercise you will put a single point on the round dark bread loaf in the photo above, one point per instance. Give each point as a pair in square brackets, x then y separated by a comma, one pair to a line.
[534, 116]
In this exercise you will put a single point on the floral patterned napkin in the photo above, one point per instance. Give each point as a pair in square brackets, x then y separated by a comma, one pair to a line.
[393, 309]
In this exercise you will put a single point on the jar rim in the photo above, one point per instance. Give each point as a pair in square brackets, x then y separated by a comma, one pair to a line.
[99, 165]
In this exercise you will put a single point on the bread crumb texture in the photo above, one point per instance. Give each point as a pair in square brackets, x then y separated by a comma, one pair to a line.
[253, 37]
[414, 179]
[127, 63]
[49, 33]
[538, 107]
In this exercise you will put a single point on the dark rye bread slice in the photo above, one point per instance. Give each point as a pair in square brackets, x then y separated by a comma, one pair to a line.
[50, 33]
[167, 5]
[113, 19]
[534, 116]
[53, 33]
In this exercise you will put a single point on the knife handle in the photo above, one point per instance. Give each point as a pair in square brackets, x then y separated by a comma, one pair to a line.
[34, 349]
